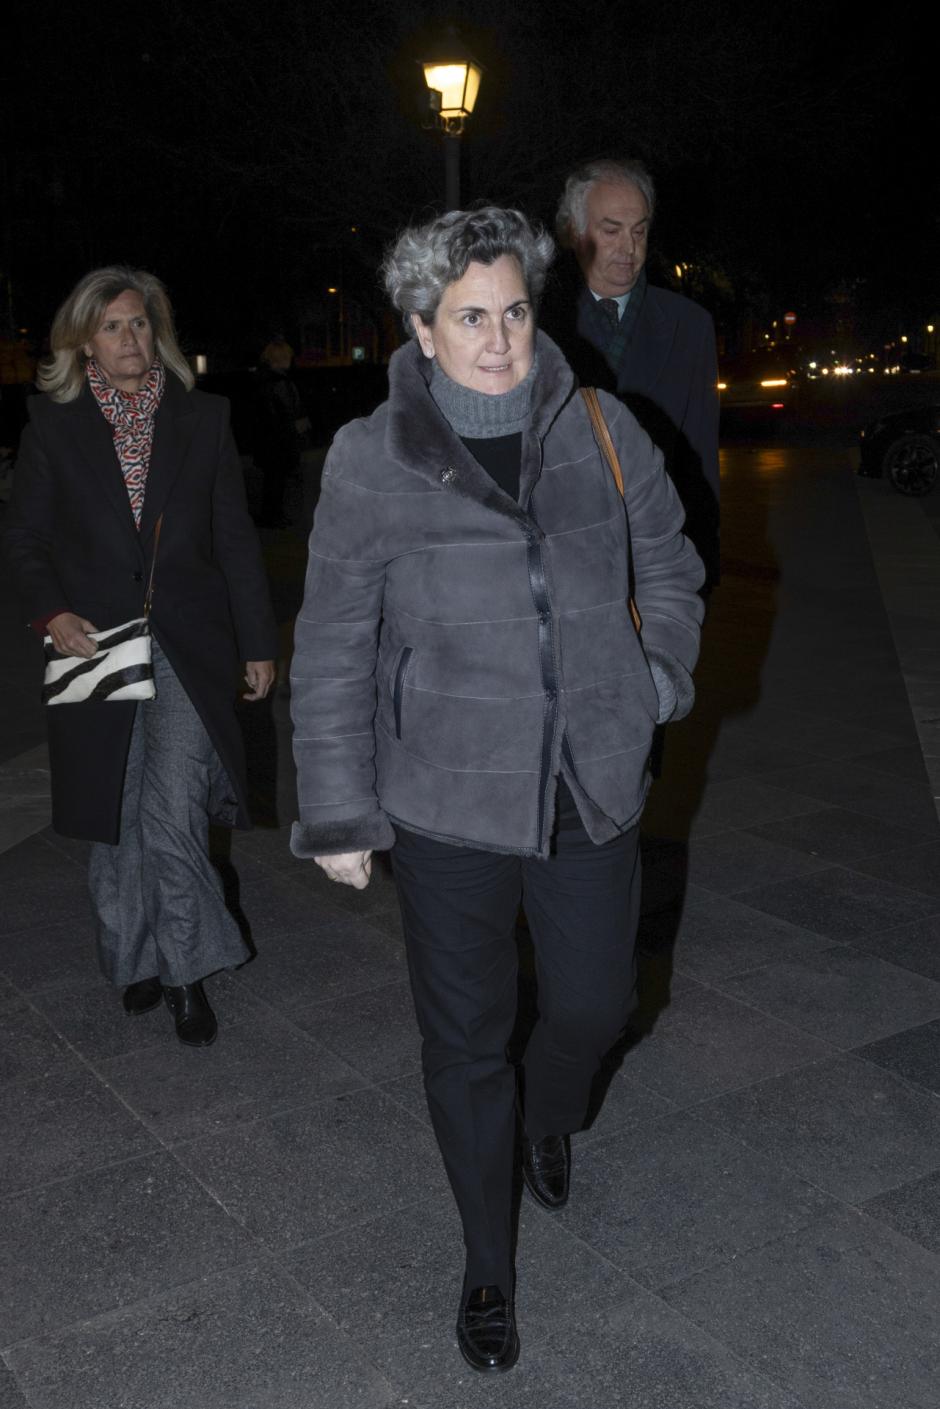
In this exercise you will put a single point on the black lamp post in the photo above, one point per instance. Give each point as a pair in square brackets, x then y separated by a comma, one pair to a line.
[453, 81]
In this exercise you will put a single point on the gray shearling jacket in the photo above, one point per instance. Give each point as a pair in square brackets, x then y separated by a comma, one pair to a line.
[457, 650]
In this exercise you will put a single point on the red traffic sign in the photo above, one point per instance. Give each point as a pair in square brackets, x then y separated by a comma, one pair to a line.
[789, 319]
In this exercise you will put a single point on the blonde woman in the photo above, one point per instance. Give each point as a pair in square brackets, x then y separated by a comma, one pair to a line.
[119, 439]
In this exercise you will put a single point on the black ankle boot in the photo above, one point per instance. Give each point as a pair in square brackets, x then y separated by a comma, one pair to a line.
[195, 1020]
[140, 997]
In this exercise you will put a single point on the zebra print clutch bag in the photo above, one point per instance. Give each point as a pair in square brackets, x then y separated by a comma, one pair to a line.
[120, 669]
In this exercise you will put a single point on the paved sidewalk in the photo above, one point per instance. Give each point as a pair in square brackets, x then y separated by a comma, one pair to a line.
[755, 1217]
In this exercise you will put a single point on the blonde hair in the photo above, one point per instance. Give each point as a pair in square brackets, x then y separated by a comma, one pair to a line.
[80, 317]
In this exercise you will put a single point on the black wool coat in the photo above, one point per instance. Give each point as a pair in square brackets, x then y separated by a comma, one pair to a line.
[70, 544]
[667, 376]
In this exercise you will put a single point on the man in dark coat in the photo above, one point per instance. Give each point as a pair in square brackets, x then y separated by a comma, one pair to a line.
[653, 348]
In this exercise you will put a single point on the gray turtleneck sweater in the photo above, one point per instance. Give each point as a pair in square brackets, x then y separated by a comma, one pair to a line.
[490, 426]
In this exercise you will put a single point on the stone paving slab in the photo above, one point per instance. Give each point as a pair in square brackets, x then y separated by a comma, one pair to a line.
[718, 937]
[319, 1167]
[914, 946]
[844, 1314]
[846, 1125]
[10, 1397]
[705, 1043]
[635, 1355]
[96, 1241]
[841, 996]
[232, 1340]
[912, 1209]
[61, 1123]
[913, 1055]
[841, 903]
[265, 1066]
[698, 1196]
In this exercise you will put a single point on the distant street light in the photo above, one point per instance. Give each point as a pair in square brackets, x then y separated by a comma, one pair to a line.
[453, 80]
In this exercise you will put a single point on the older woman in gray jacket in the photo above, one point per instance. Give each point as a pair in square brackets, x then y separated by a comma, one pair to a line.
[470, 691]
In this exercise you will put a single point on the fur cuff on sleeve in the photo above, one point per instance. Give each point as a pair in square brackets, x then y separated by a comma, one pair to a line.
[372, 832]
[673, 685]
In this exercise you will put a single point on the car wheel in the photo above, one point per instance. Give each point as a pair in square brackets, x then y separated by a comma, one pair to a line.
[912, 464]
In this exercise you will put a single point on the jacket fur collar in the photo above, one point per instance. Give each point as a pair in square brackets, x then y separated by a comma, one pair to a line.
[421, 440]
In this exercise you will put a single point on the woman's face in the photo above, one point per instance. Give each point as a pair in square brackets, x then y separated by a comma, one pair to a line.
[123, 344]
[483, 334]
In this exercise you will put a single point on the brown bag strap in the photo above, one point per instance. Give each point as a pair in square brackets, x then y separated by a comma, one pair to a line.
[593, 405]
[592, 402]
[153, 563]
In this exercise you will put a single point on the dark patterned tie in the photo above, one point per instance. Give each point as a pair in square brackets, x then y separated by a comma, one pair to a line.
[611, 311]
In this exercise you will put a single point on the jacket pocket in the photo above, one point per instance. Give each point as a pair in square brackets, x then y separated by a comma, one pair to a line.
[404, 661]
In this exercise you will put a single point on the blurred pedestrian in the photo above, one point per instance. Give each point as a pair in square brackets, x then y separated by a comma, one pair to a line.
[122, 455]
[469, 690]
[278, 429]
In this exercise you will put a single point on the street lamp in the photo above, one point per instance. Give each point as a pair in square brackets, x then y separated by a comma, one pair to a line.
[453, 80]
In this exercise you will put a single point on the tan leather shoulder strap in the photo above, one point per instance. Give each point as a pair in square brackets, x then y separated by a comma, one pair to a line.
[592, 402]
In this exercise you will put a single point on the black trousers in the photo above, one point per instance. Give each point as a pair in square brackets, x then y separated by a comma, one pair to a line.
[459, 907]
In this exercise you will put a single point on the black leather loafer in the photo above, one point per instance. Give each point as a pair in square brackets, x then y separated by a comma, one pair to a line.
[141, 997]
[195, 1020]
[546, 1169]
[486, 1331]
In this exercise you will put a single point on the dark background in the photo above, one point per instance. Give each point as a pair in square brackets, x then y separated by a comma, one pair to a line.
[232, 148]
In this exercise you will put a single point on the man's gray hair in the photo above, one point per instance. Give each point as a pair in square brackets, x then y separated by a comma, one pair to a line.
[426, 259]
[571, 219]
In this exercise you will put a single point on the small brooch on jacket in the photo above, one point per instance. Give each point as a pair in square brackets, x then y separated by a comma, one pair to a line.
[448, 473]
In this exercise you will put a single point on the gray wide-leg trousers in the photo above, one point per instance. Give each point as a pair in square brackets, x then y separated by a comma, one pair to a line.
[158, 899]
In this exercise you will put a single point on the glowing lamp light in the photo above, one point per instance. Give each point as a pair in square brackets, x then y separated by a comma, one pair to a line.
[722, 386]
[458, 82]
[774, 381]
[453, 84]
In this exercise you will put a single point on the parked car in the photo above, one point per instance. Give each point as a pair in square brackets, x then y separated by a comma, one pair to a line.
[903, 447]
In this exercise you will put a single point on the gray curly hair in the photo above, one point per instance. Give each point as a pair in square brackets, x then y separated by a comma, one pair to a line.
[571, 218]
[426, 259]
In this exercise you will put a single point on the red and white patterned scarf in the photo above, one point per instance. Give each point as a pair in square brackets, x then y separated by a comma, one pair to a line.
[130, 414]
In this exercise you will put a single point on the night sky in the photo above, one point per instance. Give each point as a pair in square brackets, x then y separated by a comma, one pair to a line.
[231, 147]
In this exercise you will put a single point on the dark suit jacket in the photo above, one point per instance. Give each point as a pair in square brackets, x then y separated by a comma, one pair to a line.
[668, 378]
[71, 544]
